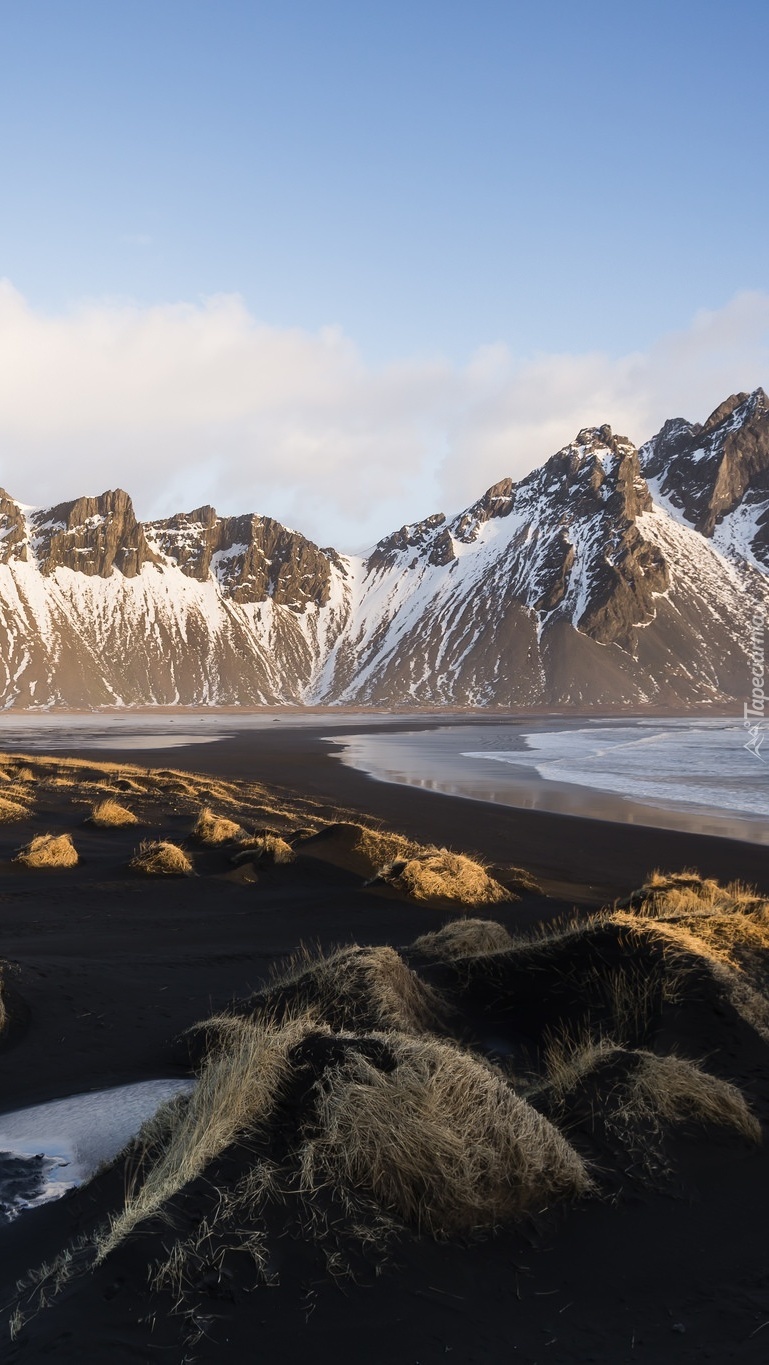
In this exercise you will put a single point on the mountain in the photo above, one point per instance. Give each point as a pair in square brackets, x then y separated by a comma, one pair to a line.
[715, 477]
[610, 576]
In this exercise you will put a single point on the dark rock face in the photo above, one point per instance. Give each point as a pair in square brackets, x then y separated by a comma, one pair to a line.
[415, 537]
[709, 471]
[252, 558]
[13, 530]
[497, 501]
[93, 536]
[596, 491]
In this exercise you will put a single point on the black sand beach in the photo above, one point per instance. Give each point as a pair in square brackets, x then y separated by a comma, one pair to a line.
[109, 970]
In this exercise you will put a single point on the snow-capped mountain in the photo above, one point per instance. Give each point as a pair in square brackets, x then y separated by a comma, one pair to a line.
[609, 576]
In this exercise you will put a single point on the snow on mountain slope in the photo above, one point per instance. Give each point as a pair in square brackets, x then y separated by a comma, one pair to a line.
[567, 588]
[715, 477]
[575, 586]
[96, 635]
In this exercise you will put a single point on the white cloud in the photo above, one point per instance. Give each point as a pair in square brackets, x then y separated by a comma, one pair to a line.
[188, 403]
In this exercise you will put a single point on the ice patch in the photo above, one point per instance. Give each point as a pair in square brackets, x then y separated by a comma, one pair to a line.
[48, 1149]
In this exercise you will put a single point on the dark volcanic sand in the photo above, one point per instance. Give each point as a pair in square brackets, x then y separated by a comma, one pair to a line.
[112, 969]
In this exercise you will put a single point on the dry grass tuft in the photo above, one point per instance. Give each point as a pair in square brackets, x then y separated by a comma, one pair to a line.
[48, 850]
[368, 988]
[436, 874]
[672, 1090]
[465, 938]
[12, 810]
[109, 814]
[568, 1060]
[669, 895]
[211, 829]
[440, 1140]
[653, 1094]
[266, 845]
[434, 1137]
[241, 1080]
[21, 773]
[160, 858]
[725, 927]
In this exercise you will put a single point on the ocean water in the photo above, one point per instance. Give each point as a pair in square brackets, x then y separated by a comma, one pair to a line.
[691, 773]
[693, 765]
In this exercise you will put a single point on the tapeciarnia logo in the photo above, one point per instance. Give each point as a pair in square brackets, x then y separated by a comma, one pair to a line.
[754, 711]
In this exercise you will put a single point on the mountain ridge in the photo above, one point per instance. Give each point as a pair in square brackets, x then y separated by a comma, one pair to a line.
[611, 575]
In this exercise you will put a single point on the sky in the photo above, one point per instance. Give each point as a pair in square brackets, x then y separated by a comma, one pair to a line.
[347, 263]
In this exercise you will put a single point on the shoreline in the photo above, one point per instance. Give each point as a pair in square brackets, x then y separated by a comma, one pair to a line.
[574, 855]
[472, 777]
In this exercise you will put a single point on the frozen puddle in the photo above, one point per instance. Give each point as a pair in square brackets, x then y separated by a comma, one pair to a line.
[48, 1149]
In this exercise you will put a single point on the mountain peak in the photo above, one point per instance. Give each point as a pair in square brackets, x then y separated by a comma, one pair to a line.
[708, 472]
[91, 535]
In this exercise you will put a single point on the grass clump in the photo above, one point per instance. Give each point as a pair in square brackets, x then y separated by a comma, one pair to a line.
[673, 1090]
[266, 845]
[436, 874]
[109, 814]
[48, 850]
[464, 938]
[414, 1128]
[369, 988]
[725, 928]
[439, 1139]
[12, 810]
[211, 829]
[160, 858]
[240, 1082]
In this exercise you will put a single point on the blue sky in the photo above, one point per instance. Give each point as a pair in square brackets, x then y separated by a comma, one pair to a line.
[431, 180]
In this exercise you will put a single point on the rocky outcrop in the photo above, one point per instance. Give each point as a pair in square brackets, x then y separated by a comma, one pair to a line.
[253, 559]
[709, 472]
[93, 536]
[13, 530]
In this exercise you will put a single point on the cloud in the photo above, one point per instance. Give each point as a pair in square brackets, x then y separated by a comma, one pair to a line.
[188, 403]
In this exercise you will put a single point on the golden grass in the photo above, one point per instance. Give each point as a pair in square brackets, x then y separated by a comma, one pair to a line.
[426, 873]
[266, 845]
[109, 814]
[12, 810]
[440, 1140]
[670, 895]
[370, 988]
[437, 874]
[211, 829]
[238, 1087]
[672, 1090]
[464, 938]
[419, 872]
[160, 858]
[725, 927]
[21, 773]
[567, 1060]
[248, 803]
[437, 1138]
[658, 1092]
[48, 850]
